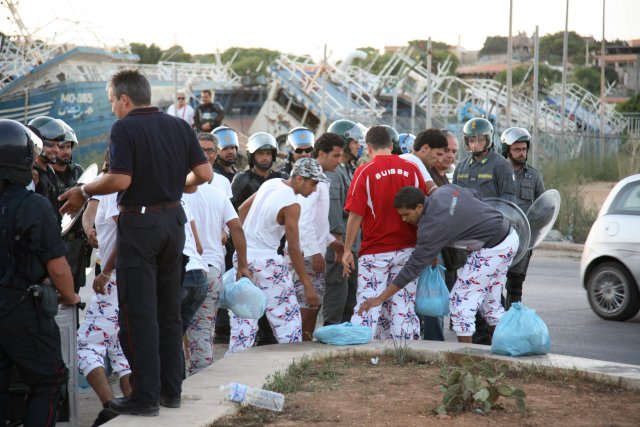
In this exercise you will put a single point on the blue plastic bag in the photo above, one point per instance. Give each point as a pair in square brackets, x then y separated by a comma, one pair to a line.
[521, 332]
[432, 296]
[344, 334]
[245, 299]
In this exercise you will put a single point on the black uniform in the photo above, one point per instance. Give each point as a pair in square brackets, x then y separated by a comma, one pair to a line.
[79, 251]
[29, 339]
[211, 113]
[48, 186]
[529, 187]
[246, 183]
[157, 151]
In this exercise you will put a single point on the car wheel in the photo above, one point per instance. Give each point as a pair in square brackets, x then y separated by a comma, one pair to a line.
[612, 293]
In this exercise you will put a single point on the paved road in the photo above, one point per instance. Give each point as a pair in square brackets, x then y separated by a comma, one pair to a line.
[553, 289]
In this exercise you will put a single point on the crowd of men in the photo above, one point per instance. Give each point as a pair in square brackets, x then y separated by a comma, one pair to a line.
[344, 227]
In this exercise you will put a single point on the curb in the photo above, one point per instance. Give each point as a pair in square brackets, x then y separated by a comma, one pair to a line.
[574, 248]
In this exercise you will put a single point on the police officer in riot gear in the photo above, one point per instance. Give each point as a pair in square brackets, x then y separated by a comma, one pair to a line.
[300, 143]
[68, 174]
[228, 145]
[484, 170]
[516, 143]
[52, 133]
[30, 250]
[262, 150]
[337, 305]
[227, 140]
[353, 138]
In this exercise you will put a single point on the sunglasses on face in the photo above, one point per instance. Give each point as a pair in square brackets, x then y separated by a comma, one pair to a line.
[306, 150]
[180, 98]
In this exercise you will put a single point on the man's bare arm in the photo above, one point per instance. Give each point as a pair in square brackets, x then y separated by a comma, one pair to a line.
[240, 243]
[291, 215]
[88, 219]
[353, 225]
[106, 184]
[60, 274]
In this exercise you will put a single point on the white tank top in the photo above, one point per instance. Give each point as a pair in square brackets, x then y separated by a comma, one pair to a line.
[261, 228]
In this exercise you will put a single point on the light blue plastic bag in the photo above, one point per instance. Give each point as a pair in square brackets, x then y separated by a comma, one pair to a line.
[244, 298]
[521, 332]
[344, 334]
[432, 296]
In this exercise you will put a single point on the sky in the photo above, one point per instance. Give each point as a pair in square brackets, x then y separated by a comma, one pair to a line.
[304, 27]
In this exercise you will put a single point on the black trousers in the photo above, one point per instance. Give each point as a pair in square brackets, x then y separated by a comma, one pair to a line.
[30, 341]
[149, 268]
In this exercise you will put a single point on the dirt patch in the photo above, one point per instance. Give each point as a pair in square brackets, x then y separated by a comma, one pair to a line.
[594, 193]
[353, 391]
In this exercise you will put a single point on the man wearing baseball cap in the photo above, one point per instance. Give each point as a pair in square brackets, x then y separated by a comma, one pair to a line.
[270, 213]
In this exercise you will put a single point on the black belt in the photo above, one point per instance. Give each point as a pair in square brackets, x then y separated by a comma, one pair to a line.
[143, 209]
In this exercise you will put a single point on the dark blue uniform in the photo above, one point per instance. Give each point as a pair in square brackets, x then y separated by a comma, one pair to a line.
[157, 151]
[78, 251]
[29, 339]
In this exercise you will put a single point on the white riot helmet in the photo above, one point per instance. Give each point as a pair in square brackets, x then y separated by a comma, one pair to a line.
[262, 141]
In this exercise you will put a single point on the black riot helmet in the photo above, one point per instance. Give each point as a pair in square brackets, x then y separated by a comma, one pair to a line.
[51, 131]
[17, 144]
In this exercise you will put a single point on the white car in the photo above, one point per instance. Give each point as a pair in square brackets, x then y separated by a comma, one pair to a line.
[610, 265]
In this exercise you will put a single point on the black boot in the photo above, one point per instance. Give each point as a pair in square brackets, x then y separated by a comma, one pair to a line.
[128, 406]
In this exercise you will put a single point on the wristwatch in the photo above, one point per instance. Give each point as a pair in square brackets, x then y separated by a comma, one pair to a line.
[85, 195]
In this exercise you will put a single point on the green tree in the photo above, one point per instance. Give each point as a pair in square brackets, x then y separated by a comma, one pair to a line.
[176, 54]
[248, 60]
[148, 54]
[440, 52]
[589, 77]
[551, 48]
[546, 77]
[632, 105]
[494, 45]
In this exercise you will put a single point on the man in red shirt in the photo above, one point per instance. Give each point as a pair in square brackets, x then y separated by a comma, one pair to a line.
[387, 242]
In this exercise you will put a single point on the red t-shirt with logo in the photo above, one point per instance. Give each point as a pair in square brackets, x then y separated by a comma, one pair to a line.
[371, 195]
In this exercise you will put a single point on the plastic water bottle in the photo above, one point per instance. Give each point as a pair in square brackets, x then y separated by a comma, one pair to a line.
[254, 396]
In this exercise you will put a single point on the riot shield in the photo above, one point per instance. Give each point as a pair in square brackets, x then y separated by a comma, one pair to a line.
[68, 220]
[518, 221]
[542, 215]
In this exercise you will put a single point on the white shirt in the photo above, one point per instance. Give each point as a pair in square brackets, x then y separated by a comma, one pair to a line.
[416, 160]
[106, 227]
[185, 113]
[190, 248]
[212, 210]
[315, 232]
[261, 227]
[220, 182]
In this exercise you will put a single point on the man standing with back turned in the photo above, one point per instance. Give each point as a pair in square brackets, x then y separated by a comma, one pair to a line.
[150, 237]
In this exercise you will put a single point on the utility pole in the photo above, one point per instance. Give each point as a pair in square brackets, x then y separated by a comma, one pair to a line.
[509, 65]
[602, 88]
[565, 48]
[536, 64]
[429, 90]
